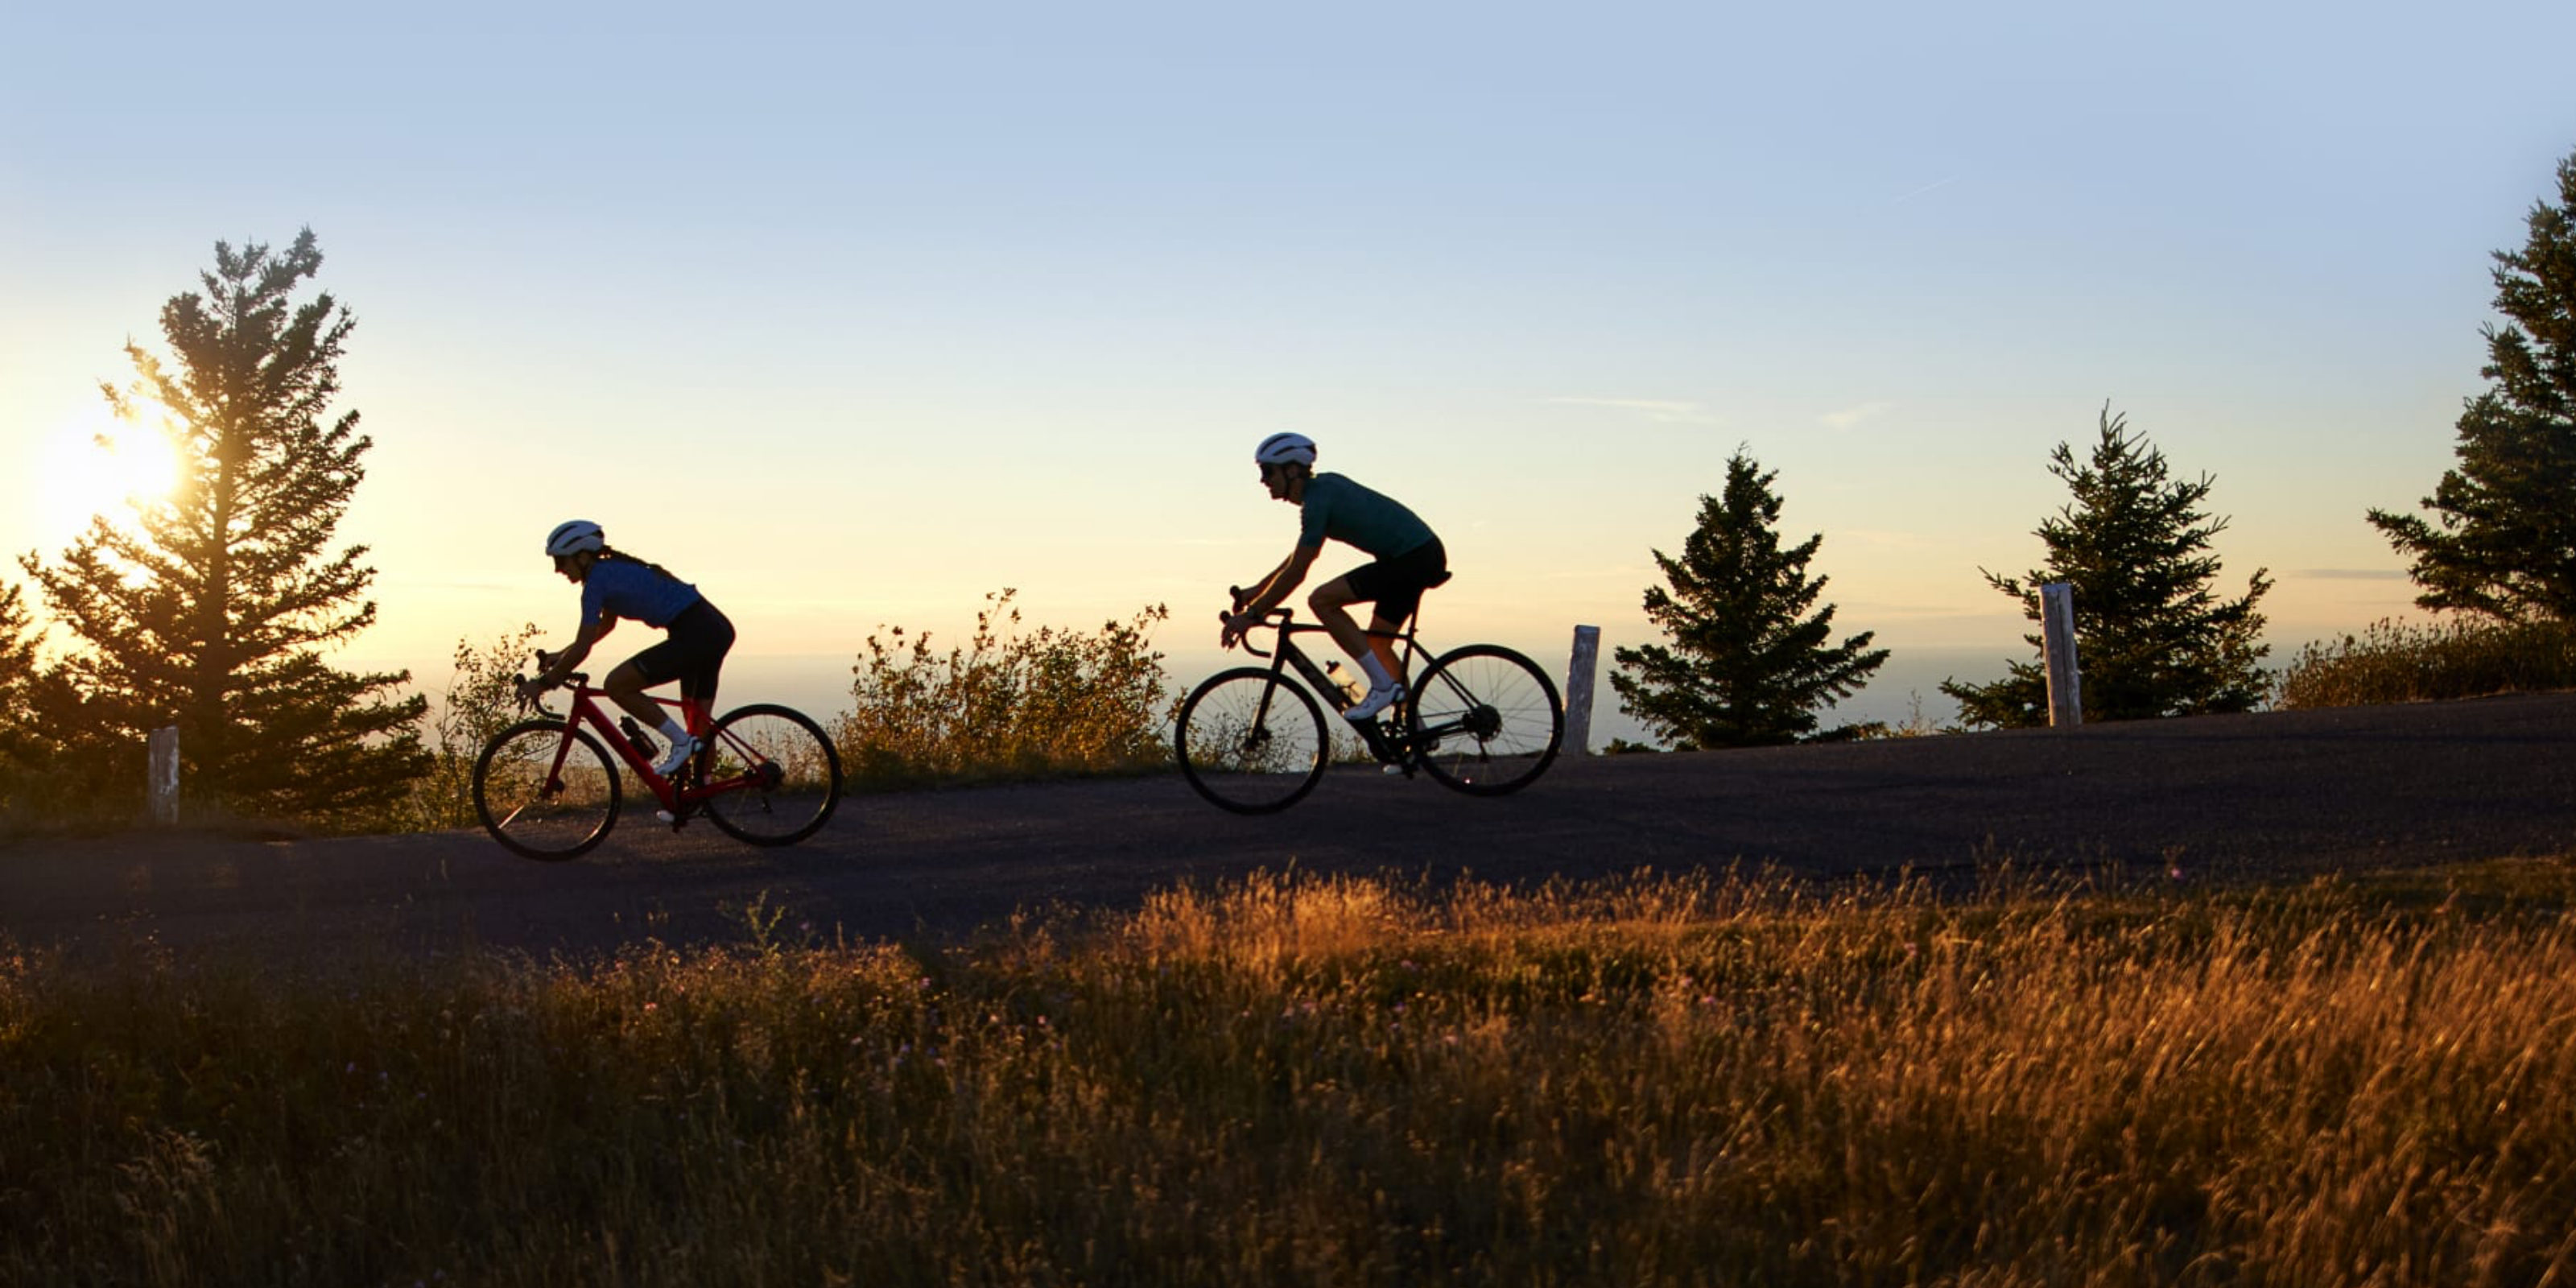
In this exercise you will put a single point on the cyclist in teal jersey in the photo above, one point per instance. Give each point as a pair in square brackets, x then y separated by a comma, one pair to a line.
[1408, 559]
[615, 586]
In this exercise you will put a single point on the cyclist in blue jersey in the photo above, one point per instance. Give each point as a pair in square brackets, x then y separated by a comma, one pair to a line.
[617, 586]
[1408, 559]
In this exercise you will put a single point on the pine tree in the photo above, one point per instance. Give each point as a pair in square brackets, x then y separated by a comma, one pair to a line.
[55, 766]
[212, 610]
[1749, 663]
[2505, 546]
[17, 672]
[2152, 638]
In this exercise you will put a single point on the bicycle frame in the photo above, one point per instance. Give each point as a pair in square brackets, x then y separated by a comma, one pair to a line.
[1394, 750]
[673, 795]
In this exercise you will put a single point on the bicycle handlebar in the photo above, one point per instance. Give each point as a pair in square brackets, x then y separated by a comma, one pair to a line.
[576, 680]
[1278, 617]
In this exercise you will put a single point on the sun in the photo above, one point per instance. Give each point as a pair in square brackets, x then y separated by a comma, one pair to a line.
[94, 465]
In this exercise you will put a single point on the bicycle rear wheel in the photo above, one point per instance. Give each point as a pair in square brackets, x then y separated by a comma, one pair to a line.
[1485, 720]
[546, 792]
[1251, 742]
[793, 772]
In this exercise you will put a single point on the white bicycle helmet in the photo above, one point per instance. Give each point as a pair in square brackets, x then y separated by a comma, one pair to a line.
[573, 536]
[1285, 449]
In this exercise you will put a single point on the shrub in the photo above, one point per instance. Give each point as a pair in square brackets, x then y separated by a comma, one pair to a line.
[478, 704]
[2393, 661]
[1006, 705]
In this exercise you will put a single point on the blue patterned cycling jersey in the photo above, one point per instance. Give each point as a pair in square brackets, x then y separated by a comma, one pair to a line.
[1338, 508]
[623, 588]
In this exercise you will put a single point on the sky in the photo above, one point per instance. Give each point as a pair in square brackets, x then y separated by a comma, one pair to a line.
[853, 313]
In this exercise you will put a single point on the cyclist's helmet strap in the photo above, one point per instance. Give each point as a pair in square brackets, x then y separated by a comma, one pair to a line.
[1285, 449]
[573, 536]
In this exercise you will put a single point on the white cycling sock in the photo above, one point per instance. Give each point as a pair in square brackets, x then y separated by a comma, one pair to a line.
[1378, 678]
[671, 729]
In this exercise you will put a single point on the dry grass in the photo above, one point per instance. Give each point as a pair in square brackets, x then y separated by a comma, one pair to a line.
[1336, 1081]
[2408, 662]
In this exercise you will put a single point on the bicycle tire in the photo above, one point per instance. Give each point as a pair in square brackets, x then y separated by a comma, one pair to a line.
[537, 811]
[1242, 745]
[1491, 719]
[800, 768]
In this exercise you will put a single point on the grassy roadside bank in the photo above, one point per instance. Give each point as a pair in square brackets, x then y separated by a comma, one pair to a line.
[1731, 1081]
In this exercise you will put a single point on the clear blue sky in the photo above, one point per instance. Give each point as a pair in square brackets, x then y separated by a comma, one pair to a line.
[853, 313]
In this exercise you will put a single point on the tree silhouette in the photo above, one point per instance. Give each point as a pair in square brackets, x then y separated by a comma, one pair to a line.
[212, 610]
[2152, 639]
[1749, 663]
[17, 671]
[2505, 546]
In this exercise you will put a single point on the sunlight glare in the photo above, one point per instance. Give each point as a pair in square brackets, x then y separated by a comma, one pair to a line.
[97, 465]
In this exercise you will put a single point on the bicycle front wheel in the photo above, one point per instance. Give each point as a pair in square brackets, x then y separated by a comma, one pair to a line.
[1251, 742]
[545, 791]
[790, 775]
[1486, 720]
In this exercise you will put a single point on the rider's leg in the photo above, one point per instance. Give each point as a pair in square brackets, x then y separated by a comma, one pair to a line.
[1381, 640]
[1331, 606]
[625, 686]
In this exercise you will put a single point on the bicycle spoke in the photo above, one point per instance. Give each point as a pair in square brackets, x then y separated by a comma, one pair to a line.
[1251, 743]
[1487, 720]
[541, 808]
[781, 776]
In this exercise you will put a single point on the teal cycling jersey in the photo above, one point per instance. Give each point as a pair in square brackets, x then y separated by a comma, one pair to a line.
[1342, 510]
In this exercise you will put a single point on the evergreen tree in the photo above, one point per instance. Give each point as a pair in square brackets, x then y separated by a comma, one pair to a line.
[213, 608]
[17, 641]
[2152, 638]
[17, 672]
[54, 766]
[2505, 545]
[1749, 662]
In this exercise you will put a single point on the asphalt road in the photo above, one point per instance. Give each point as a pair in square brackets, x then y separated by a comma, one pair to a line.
[2211, 798]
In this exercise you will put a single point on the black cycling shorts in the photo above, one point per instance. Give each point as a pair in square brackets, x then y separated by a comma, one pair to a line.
[693, 654]
[1396, 584]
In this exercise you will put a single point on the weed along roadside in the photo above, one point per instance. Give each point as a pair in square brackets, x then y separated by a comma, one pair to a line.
[1296, 1080]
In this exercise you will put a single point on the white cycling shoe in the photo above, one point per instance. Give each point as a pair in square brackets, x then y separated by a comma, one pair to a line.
[679, 755]
[1379, 699]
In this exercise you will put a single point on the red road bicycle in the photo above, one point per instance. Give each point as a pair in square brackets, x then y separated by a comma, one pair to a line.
[547, 788]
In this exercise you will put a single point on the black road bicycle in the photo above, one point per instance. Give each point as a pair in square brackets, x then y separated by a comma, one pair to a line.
[1482, 719]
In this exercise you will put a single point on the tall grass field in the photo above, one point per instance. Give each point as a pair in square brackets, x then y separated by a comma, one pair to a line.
[1306, 1081]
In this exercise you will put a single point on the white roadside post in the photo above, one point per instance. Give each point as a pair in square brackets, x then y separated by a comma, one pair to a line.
[2065, 678]
[1578, 689]
[164, 787]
